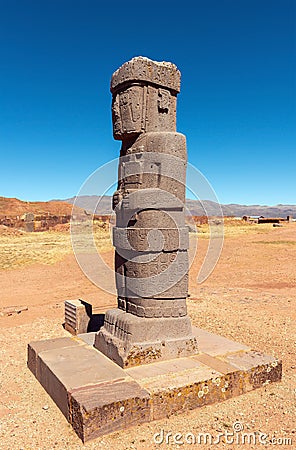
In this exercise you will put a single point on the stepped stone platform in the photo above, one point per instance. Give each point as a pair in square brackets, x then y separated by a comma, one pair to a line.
[98, 397]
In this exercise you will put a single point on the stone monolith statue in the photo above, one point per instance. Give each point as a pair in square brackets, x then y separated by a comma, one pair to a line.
[150, 237]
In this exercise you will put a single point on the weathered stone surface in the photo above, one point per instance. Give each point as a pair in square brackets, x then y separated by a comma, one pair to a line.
[35, 348]
[144, 69]
[215, 345]
[160, 369]
[216, 363]
[167, 148]
[261, 369]
[144, 307]
[88, 338]
[102, 409]
[64, 364]
[155, 169]
[150, 218]
[202, 380]
[150, 237]
[130, 340]
[98, 397]
[84, 366]
[182, 391]
[151, 199]
[165, 277]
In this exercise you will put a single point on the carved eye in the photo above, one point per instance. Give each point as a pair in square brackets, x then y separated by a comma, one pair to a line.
[163, 100]
[124, 99]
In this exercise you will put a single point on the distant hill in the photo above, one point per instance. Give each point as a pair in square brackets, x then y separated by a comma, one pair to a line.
[90, 203]
[259, 210]
[12, 207]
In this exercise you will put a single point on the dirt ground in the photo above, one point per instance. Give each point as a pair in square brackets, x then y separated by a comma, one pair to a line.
[250, 298]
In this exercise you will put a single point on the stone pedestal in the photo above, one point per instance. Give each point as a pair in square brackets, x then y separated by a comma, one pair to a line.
[150, 237]
[130, 340]
[98, 397]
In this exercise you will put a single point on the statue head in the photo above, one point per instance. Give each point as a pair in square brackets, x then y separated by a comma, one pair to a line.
[144, 97]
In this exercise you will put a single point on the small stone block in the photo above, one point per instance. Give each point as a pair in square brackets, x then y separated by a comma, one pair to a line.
[97, 410]
[77, 316]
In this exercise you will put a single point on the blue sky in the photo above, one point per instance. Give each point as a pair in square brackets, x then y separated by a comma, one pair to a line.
[237, 104]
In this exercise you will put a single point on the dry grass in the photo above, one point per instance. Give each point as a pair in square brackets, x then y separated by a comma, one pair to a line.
[18, 249]
[48, 247]
[283, 242]
[233, 228]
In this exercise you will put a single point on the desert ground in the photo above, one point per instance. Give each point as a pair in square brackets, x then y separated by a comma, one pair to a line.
[250, 298]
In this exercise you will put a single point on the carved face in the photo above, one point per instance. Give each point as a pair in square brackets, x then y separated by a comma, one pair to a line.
[128, 111]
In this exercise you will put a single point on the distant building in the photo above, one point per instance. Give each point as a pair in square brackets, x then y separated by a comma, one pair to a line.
[254, 219]
[262, 219]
